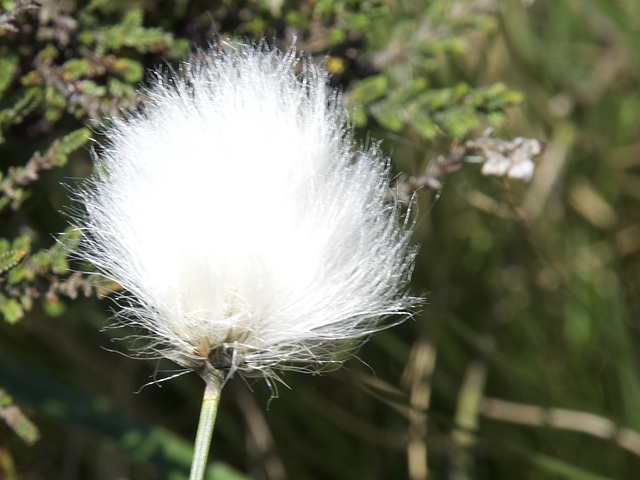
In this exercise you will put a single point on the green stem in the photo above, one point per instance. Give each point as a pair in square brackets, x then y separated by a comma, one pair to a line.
[205, 428]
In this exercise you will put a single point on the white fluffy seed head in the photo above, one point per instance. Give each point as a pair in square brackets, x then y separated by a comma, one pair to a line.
[248, 230]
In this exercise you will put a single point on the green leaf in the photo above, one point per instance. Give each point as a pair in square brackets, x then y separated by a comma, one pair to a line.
[10, 259]
[63, 147]
[77, 67]
[369, 89]
[131, 70]
[10, 309]
[23, 106]
[390, 116]
[8, 68]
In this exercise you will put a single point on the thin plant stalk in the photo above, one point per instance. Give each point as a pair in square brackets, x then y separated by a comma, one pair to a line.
[208, 413]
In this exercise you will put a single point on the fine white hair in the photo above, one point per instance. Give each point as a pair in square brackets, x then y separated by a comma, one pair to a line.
[249, 231]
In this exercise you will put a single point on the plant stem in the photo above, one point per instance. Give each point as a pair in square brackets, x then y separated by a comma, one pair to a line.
[205, 427]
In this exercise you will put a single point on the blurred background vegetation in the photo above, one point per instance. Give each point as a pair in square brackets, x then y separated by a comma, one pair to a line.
[523, 364]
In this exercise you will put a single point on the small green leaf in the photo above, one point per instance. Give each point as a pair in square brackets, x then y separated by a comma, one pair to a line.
[10, 259]
[390, 116]
[10, 309]
[130, 70]
[8, 68]
[76, 68]
[368, 90]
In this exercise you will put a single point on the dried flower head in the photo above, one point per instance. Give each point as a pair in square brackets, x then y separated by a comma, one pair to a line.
[500, 158]
[248, 230]
[513, 158]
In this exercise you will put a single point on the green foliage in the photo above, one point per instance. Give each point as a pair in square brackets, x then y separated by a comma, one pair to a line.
[10, 258]
[129, 33]
[24, 104]
[8, 68]
[524, 362]
[15, 181]
[405, 96]
[453, 111]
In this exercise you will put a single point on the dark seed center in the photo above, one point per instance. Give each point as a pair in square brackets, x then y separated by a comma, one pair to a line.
[222, 358]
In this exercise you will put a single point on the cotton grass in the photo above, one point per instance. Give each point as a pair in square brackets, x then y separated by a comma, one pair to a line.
[248, 230]
[250, 233]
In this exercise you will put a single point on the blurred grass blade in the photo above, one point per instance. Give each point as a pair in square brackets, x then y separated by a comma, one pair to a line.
[168, 453]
